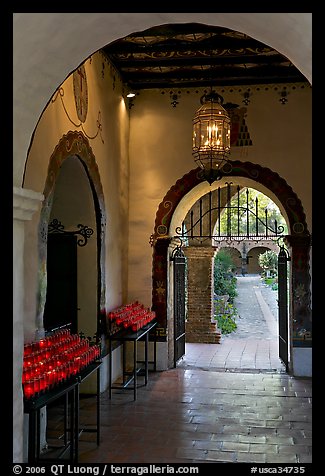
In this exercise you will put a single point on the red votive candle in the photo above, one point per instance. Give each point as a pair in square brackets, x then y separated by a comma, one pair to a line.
[42, 383]
[77, 363]
[42, 344]
[24, 377]
[29, 388]
[28, 349]
[37, 385]
[28, 361]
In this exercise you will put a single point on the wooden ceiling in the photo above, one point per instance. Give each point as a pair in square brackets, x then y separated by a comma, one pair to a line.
[197, 55]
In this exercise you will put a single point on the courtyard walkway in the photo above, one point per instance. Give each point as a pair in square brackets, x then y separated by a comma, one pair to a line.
[254, 345]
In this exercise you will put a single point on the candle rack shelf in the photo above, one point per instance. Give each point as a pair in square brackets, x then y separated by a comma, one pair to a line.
[53, 369]
[70, 390]
[123, 336]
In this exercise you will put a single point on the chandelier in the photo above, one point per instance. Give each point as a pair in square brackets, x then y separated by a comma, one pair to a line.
[211, 136]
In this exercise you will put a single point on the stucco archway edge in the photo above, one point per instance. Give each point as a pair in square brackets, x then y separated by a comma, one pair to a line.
[47, 47]
[187, 190]
[203, 188]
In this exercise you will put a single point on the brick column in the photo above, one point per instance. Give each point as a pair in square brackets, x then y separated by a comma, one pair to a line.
[200, 263]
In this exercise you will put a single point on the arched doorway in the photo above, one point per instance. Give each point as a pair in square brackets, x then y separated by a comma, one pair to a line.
[72, 274]
[42, 81]
[175, 205]
[73, 195]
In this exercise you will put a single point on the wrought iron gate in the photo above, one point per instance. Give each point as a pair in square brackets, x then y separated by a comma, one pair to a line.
[179, 302]
[283, 258]
[225, 215]
[242, 220]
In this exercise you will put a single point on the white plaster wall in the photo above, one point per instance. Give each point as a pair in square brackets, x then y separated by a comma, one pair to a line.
[162, 356]
[90, 384]
[18, 333]
[48, 46]
[25, 204]
[32, 321]
[110, 149]
[302, 361]
[160, 154]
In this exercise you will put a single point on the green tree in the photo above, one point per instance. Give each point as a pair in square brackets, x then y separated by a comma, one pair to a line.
[268, 261]
[263, 211]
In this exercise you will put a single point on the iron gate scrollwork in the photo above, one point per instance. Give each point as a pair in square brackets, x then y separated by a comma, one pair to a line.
[84, 231]
[179, 261]
[243, 218]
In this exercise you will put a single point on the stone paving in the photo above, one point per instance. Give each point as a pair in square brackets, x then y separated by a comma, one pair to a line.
[197, 416]
[253, 317]
[254, 344]
[212, 408]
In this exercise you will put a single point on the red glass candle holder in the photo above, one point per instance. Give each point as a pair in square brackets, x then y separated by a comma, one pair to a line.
[42, 383]
[55, 358]
[42, 344]
[28, 349]
[29, 388]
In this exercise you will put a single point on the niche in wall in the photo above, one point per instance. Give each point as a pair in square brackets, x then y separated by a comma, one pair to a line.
[72, 269]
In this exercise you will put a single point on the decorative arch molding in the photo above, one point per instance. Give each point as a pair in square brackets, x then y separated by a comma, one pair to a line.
[263, 175]
[74, 143]
[299, 241]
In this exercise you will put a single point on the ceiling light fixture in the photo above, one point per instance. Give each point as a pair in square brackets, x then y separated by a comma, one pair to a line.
[211, 136]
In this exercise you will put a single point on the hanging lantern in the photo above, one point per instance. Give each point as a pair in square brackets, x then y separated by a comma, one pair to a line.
[211, 136]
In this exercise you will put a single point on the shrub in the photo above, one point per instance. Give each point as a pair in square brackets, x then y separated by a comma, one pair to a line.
[268, 261]
[226, 323]
[225, 314]
[225, 281]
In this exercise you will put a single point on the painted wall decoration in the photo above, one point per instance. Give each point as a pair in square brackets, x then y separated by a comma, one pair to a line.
[159, 297]
[299, 240]
[301, 303]
[81, 109]
[80, 91]
[239, 134]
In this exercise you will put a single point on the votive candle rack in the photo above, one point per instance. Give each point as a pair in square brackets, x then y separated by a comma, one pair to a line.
[133, 315]
[54, 359]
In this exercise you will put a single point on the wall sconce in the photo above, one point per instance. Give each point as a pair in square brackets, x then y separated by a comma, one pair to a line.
[131, 95]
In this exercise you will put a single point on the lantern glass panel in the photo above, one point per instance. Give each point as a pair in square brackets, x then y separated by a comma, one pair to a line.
[211, 131]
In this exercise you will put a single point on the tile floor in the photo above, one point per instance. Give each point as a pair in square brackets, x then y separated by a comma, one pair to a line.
[228, 402]
[234, 354]
[199, 416]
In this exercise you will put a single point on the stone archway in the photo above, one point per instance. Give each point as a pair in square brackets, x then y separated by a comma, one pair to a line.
[71, 144]
[298, 241]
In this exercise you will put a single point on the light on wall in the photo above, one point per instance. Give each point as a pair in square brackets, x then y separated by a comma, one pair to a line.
[130, 96]
[211, 136]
